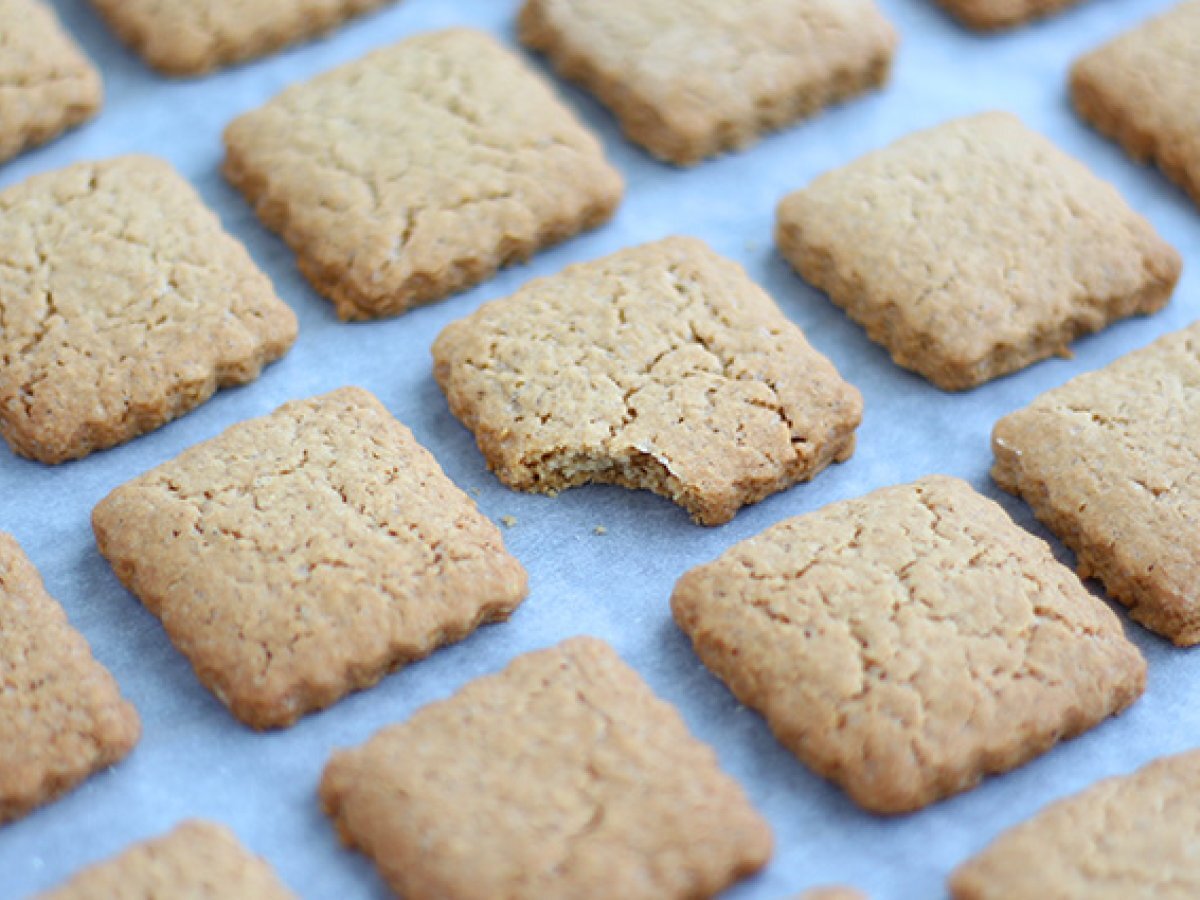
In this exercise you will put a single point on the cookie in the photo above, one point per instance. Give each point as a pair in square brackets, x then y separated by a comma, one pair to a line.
[974, 249]
[987, 15]
[1108, 462]
[1141, 88]
[562, 776]
[47, 85]
[418, 171]
[192, 37]
[123, 304]
[690, 79]
[306, 554]
[1121, 839]
[907, 643]
[196, 860]
[662, 367]
[62, 713]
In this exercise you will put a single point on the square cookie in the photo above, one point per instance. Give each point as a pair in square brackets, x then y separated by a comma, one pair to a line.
[561, 776]
[974, 249]
[419, 170]
[662, 367]
[692, 78]
[123, 304]
[47, 85]
[62, 714]
[306, 554]
[1141, 90]
[196, 860]
[192, 37]
[1122, 838]
[1108, 462]
[987, 15]
[907, 643]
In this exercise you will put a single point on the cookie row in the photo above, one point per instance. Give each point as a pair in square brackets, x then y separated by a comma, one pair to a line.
[904, 644]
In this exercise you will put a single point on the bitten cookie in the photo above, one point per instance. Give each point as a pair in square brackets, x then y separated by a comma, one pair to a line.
[986, 15]
[1121, 839]
[1141, 90]
[303, 555]
[974, 249]
[661, 367]
[692, 78]
[62, 713]
[123, 304]
[910, 642]
[1108, 462]
[562, 776]
[192, 37]
[196, 860]
[47, 85]
[418, 171]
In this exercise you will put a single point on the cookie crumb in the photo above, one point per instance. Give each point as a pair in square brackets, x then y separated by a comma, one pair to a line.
[600, 529]
[508, 521]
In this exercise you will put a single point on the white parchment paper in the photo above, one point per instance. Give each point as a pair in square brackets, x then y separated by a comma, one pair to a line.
[196, 760]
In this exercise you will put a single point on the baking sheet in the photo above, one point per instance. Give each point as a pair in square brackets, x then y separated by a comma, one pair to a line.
[196, 760]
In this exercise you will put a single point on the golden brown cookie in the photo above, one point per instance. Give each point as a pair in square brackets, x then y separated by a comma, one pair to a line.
[910, 642]
[418, 171]
[974, 249]
[306, 554]
[192, 37]
[562, 776]
[692, 78]
[47, 85]
[1130, 838]
[987, 15]
[62, 717]
[196, 861]
[123, 304]
[1141, 90]
[1108, 462]
[661, 367]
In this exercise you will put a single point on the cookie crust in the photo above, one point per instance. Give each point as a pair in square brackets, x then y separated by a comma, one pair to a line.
[123, 305]
[63, 714]
[1107, 462]
[991, 15]
[194, 37]
[689, 79]
[1140, 90]
[660, 367]
[418, 171]
[47, 84]
[974, 249]
[306, 554]
[196, 859]
[1131, 836]
[910, 642]
[561, 776]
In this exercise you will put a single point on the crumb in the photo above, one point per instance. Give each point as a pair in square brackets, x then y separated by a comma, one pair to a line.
[508, 521]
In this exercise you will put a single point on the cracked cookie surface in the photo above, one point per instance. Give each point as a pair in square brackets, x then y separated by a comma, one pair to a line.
[660, 367]
[192, 37]
[62, 713]
[1110, 462]
[418, 171]
[1141, 90]
[123, 305]
[910, 642]
[974, 249]
[303, 555]
[1120, 839]
[197, 859]
[692, 78]
[47, 84]
[561, 776]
